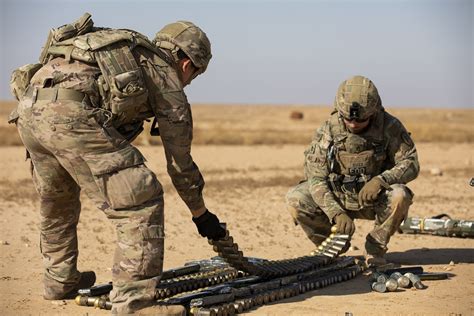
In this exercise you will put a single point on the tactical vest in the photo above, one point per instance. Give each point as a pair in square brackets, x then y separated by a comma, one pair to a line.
[354, 159]
[121, 83]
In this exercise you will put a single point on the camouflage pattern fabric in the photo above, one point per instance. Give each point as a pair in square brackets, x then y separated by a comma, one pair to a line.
[78, 146]
[388, 212]
[335, 156]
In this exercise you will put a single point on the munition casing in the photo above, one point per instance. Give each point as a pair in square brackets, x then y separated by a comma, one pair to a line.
[102, 304]
[230, 309]
[203, 312]
[374, 276]
[85, 300]
[238, 307]
[402, 280]
[391, 285]
[329, 250]
[382, 278]
[415, 280]
[339, 236]
[379, 287]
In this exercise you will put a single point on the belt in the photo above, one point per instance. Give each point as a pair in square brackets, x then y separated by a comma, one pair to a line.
[54, 94]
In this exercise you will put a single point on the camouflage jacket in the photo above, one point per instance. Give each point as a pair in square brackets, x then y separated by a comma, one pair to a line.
[165, 100]
[390, 150]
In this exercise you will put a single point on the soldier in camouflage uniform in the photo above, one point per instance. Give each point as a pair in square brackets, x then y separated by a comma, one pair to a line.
[77, 116]
[356, 167]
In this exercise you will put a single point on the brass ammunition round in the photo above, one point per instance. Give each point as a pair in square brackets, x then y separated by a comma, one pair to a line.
[391, 285]
[266, 298]
[230, 309]
[302, 287]
[334, 229]
[238, 307]
[102, 303]
[248, 303]
[85, 300]
[216, 310]
[379, 287]
[281, 294]
[207, 312]
[273, 296]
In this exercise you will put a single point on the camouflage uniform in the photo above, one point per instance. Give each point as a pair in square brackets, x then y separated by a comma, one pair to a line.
[77, 143]
[337, 165]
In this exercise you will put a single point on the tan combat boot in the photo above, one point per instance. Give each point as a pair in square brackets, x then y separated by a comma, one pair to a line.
[54, 290]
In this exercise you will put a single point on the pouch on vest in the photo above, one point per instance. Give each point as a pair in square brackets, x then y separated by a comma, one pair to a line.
[20, 79]
[127, 92]
[81, 26]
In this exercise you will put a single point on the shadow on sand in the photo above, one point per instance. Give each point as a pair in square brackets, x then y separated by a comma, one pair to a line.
[432, 256]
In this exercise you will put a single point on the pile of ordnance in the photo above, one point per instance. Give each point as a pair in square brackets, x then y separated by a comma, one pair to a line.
[232, 283]
[393, 280]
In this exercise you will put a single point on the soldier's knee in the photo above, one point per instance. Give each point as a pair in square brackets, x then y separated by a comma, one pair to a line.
[401, 194]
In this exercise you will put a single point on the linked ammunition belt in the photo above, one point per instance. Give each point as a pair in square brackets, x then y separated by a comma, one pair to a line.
[233, 283]
[329, 249]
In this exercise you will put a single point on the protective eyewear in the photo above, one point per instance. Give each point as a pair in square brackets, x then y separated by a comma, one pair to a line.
[358, 120]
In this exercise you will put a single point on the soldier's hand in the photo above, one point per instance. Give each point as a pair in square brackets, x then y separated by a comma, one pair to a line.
[208, 226]
[370, 191]
[344, 224]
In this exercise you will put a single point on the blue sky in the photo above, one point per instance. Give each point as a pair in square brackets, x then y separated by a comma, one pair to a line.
[418, 53]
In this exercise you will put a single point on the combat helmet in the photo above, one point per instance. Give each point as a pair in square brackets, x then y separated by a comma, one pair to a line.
[357, 98]
[189, 38]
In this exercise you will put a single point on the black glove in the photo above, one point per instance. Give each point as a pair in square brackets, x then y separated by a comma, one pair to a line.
[344, 224]
[208, 226]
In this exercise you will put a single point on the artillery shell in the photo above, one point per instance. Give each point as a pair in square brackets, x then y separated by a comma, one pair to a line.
[391, 285]
[379, 287]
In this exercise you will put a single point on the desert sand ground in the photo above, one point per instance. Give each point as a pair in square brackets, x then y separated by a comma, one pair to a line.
[246, 182]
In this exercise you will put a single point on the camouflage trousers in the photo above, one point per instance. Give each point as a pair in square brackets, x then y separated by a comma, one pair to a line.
[71, 152]
[388, 212]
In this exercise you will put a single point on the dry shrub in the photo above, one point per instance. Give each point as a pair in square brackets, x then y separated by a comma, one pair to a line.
[272, 125]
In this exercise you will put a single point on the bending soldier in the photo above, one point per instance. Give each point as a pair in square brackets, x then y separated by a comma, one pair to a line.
[77, 116]
[356, 167]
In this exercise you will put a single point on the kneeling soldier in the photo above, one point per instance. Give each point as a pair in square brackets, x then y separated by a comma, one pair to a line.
[356, 167]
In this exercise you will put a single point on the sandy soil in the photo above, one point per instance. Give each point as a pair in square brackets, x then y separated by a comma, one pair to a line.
[246, 186]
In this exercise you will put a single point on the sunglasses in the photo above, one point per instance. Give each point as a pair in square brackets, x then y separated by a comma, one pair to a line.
[356, 119]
